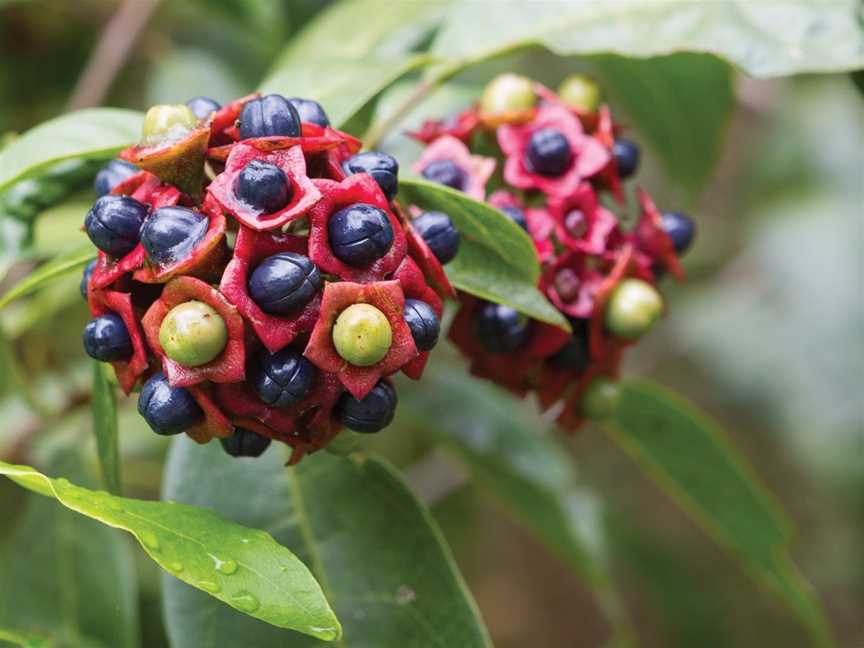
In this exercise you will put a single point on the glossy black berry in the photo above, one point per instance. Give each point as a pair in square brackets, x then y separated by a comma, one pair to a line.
[517, 216]
[423, 322]
[500, 328]
[168, 410]
[549, 152]
[112, 174]
[440, 234]
[171, 233]
[267, 116]
[360, 234]
[284, 283]
[114, 224]
[626, 154]
[284, 378]
[382, 167]
[681, 229]
[202, 107]
[372, 413]
[85, 278]
[310, 111]
[106, 338]
[245, 443]
[574, 355]
[447, 173]
[263, 186]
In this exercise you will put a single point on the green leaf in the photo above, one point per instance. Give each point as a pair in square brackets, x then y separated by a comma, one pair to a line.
[352, 52]
[25, 640]
[816, 35]
[104, 407]
[496, 259]
[511, 452]
[372, 545]
[49, 273]
[681, 104]
[95, 132]
[191, 72]
[242, 567]
[67, 578]
[694, 463]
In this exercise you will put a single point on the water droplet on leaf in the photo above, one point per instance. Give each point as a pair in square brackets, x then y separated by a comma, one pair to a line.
[245, 601]
[226, 567]
[150, 540]
[209, 586]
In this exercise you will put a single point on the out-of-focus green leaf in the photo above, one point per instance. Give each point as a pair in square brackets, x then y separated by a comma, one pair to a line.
[104, 409]
[242, 567]
[496, 259]
[764, 39]
[374, 548]
[28, 639]
[688, 456]
[352, 52]
[66, 578]
[680, 104]
[512, 453]
[91, 133]
[49, 272]
[186, 73]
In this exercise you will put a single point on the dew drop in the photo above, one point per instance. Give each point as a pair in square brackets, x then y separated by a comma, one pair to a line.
[209, 586]
[150, 540]
[226, 567]
[175, 567]
[326, 634]
[245, 601]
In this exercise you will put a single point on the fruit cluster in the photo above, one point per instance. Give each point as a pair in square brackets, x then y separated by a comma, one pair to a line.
[546, 159]
[255, 278]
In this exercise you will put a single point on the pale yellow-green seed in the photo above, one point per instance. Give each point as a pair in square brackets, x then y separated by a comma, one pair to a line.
[507, 93]
[580, 92]
[167, 123]
[193, 334]
[362, 335]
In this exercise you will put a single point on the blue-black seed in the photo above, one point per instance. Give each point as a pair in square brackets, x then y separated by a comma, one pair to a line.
[360, 234]
[168, 410]
[372, 413]
[284, 283]
[440, 234]
[106, 338]
[171, 233]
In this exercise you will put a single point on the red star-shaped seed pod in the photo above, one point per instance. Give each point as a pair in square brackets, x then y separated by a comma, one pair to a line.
[477, 168]
[572, 281]
[549, 96]
[461, 126]
[313, 139]
[145, 188]
[386, 296]
[250, 249]
[589, 155]
[358, 188]
[205, 260]
[653, 240]
[304, 193]
[225, 119]
[540, 223]
[414, 285]
[581, 224]
[516, 370]
[605, 134]
[102, 302]
[179, 163]
[425, 259]
[215, 423]
[228, 366]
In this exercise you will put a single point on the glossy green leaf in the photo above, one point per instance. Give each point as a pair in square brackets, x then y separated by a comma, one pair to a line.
[763, 39]
[25, 639]
[512, 452]
[694, 463]
[66, 579]
[496, 259]
[242, 567]
[50, 272]
[374, 548]
[679, 104]
[353, 51]
[104, 407]
[95, 132]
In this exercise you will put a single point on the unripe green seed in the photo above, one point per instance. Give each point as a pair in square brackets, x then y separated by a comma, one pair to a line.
[193, 334]
[507, 93]
[634, 307]
[601, 399]
[362, 335]
[580, 92]
[168, 122]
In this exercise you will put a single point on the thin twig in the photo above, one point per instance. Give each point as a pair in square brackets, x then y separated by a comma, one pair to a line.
[113, 48]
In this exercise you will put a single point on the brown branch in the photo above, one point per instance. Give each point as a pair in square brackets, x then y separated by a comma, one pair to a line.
[113, 48]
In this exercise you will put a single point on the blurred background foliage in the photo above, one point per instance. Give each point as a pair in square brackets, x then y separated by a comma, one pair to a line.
[767, 335]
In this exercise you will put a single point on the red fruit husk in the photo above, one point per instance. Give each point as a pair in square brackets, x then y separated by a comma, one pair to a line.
[229, 366]
[215, 423]
[225, 118]
[477, 167]
[358, 188]
[312, 139]
[653, 240]
[251, 248]
[600, 225]
[386, 296]
[462, 126]
[605, 134]
[102, 302]
[414, 286]
[304, 192]
[180, 163]
[425, 259]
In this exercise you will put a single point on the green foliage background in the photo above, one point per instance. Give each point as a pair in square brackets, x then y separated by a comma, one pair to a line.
[561, 542]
